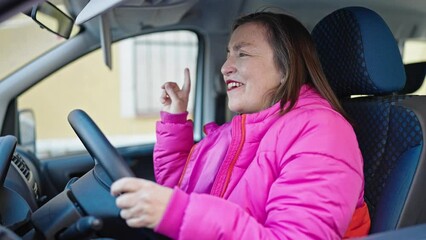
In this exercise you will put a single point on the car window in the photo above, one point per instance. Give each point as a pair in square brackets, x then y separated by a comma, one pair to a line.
[123, 101]
[22, 40]
[16, 37]
[415, 51]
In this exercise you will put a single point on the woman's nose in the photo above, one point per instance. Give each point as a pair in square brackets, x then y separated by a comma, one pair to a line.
[228, 67]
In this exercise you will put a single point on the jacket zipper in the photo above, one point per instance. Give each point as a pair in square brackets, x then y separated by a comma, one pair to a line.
[185, 167]
[220, 185]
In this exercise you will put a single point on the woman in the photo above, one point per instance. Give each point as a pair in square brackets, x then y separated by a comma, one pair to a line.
[287, 167]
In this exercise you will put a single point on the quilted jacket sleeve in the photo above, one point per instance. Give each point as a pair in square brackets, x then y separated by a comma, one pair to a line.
[313, 196]
[174, 142]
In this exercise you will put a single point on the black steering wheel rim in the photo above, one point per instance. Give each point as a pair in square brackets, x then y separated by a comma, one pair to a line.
[98, 145]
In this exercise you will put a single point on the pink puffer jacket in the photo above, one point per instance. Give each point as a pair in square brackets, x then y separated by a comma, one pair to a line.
[297, 176]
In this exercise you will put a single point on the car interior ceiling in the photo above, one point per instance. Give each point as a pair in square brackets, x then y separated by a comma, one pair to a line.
[388, 119]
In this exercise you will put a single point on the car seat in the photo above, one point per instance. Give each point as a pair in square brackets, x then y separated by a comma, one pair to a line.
[362, 62]
[415, 73]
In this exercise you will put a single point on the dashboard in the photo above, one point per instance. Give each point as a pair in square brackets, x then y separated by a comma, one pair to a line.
[20, 193]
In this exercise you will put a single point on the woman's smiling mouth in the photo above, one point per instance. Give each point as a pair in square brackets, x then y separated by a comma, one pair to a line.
[231, 85]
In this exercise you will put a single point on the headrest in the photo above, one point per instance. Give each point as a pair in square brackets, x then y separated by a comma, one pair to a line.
[358, 53]
[416, 73]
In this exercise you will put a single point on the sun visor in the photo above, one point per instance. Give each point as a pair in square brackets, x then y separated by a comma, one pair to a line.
[150, 12]
[95, 8]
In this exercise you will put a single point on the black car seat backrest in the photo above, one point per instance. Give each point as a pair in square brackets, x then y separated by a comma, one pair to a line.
[415, 73]
[362, 61]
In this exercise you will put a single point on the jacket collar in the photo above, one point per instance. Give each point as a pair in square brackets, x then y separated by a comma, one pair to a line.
[307, 95]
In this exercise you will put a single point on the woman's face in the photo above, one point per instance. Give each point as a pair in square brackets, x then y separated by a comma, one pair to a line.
[249, 70]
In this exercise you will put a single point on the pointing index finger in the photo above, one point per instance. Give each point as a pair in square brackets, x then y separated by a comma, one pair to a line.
[187, 81]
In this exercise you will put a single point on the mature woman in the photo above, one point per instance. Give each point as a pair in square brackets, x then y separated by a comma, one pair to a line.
[287, 166]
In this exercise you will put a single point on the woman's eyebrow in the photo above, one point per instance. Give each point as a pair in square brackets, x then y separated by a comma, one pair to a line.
[240, 45]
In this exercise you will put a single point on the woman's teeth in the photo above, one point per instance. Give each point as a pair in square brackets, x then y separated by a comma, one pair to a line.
[233, 85]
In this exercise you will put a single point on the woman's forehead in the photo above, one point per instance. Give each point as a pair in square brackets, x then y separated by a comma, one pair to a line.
[247, 35]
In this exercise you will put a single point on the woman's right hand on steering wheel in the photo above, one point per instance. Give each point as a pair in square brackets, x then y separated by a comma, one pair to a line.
[174, 99]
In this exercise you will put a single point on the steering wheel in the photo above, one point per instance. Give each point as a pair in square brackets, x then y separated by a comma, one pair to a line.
[98, 145]
[89, 195]
[7, 147]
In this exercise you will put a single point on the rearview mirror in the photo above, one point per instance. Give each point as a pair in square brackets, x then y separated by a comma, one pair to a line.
[50, 17]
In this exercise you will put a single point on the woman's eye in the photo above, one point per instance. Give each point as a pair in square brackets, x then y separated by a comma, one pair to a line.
[241, 54]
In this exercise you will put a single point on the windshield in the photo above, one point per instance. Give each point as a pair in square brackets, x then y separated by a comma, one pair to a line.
[22, 40]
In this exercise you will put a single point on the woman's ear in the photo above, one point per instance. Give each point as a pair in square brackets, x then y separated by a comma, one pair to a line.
[283, 78]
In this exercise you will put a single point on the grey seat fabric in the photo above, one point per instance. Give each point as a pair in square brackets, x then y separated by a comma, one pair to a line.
[360, 57]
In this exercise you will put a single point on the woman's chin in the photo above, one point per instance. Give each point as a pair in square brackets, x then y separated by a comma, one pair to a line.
[235, 108]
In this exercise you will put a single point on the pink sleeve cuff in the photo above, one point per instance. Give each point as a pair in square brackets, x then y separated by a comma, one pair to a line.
[173, 217]
[173, 118]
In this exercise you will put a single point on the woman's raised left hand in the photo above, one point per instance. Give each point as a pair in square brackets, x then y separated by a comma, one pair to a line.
[142, 202]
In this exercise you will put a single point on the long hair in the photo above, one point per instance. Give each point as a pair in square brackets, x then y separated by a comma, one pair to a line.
[295, 56]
